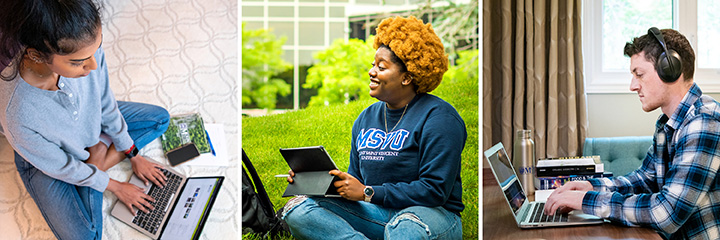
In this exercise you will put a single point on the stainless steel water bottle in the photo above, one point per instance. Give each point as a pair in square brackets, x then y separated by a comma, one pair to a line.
[524, 161]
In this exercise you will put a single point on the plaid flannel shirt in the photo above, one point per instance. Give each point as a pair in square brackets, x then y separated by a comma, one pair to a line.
[676, 191]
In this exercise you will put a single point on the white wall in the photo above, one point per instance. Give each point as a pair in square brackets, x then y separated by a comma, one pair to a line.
[620, 114]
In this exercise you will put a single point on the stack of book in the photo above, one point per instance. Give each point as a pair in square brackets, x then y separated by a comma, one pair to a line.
[554, 172]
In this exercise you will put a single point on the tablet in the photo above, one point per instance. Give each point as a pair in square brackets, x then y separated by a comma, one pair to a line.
[311, 166]
[308, 159]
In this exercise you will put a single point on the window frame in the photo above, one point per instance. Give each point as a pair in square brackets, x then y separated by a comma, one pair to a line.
[599, 81]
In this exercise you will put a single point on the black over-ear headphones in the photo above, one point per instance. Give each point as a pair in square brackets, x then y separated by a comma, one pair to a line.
[668, 66]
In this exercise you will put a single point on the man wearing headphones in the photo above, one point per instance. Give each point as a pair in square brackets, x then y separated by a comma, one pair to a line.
[676, 191]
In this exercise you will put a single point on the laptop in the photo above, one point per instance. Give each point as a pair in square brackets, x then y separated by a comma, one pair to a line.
[181, 207]
[311, 166]
[528, 214]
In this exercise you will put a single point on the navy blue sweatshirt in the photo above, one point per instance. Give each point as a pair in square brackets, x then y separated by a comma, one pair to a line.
[418, 162]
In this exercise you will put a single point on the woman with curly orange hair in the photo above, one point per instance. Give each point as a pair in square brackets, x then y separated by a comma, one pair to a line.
[403, 181]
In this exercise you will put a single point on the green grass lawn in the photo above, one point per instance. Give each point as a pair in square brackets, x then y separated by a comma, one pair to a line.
[331, 126]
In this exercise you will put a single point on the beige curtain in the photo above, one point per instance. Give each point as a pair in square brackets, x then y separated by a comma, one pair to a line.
[532, 75]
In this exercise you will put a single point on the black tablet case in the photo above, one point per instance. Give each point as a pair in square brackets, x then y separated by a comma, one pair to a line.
[311, 166]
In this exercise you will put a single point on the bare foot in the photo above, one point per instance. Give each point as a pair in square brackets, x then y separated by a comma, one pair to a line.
[98, 153]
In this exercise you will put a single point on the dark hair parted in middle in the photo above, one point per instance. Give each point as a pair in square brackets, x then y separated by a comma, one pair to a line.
[50, 26]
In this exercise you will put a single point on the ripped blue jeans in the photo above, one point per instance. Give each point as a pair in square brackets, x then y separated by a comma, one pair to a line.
[338, 218]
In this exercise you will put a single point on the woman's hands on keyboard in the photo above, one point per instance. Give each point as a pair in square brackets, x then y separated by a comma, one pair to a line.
[131, 196]
[148, 170]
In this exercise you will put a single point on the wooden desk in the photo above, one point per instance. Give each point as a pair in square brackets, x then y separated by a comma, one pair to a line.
[498, 223]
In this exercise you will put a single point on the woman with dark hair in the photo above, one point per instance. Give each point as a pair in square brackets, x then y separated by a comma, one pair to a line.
[403, 181]
[62, 119]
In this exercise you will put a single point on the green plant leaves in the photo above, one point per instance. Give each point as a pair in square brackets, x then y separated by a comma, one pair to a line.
[262, 59]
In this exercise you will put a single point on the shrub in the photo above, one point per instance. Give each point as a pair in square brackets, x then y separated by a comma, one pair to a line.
[261, 60]
[341, 73]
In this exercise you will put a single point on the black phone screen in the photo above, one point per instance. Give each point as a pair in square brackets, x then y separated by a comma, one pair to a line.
[182, 154]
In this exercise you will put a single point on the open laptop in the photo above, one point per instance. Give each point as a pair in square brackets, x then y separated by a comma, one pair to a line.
[528, 214]
[311, 166]
[181, 207]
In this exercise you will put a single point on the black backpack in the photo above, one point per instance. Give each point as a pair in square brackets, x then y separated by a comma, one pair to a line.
[258, 212]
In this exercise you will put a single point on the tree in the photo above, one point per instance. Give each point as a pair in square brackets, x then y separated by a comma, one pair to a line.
[466, 70]
[341, 73]
[453, 23]
[261, 61]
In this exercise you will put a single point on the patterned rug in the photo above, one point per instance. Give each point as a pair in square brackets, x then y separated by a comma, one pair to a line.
[179, 54]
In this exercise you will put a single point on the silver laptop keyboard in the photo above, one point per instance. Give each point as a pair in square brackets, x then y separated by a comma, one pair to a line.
[151, 221]
[539, 216]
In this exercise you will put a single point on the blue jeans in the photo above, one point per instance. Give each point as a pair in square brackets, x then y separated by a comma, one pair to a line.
[145, 122]
[337, 218]
[75, 212]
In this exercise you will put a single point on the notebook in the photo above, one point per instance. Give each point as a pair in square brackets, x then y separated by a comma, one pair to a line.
[528, 214]
[311, 166]
[181, 207]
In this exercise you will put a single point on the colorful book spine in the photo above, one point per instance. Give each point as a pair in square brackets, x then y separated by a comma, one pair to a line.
[565, 170]
[552, 167]
[557, 181]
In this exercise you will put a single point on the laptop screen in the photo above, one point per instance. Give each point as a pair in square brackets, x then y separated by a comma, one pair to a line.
[506, 177]
[192, 205]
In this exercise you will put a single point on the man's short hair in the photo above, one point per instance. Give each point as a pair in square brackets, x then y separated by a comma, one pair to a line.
[652, 48]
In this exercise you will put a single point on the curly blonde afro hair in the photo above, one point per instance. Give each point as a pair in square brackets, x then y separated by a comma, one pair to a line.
[417, 45]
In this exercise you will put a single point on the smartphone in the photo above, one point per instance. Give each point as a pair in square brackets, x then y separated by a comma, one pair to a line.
[182, 154]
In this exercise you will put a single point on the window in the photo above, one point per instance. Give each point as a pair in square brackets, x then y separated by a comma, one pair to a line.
[609, 24]
[308, 26]
[708, 19]
[624, 19]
